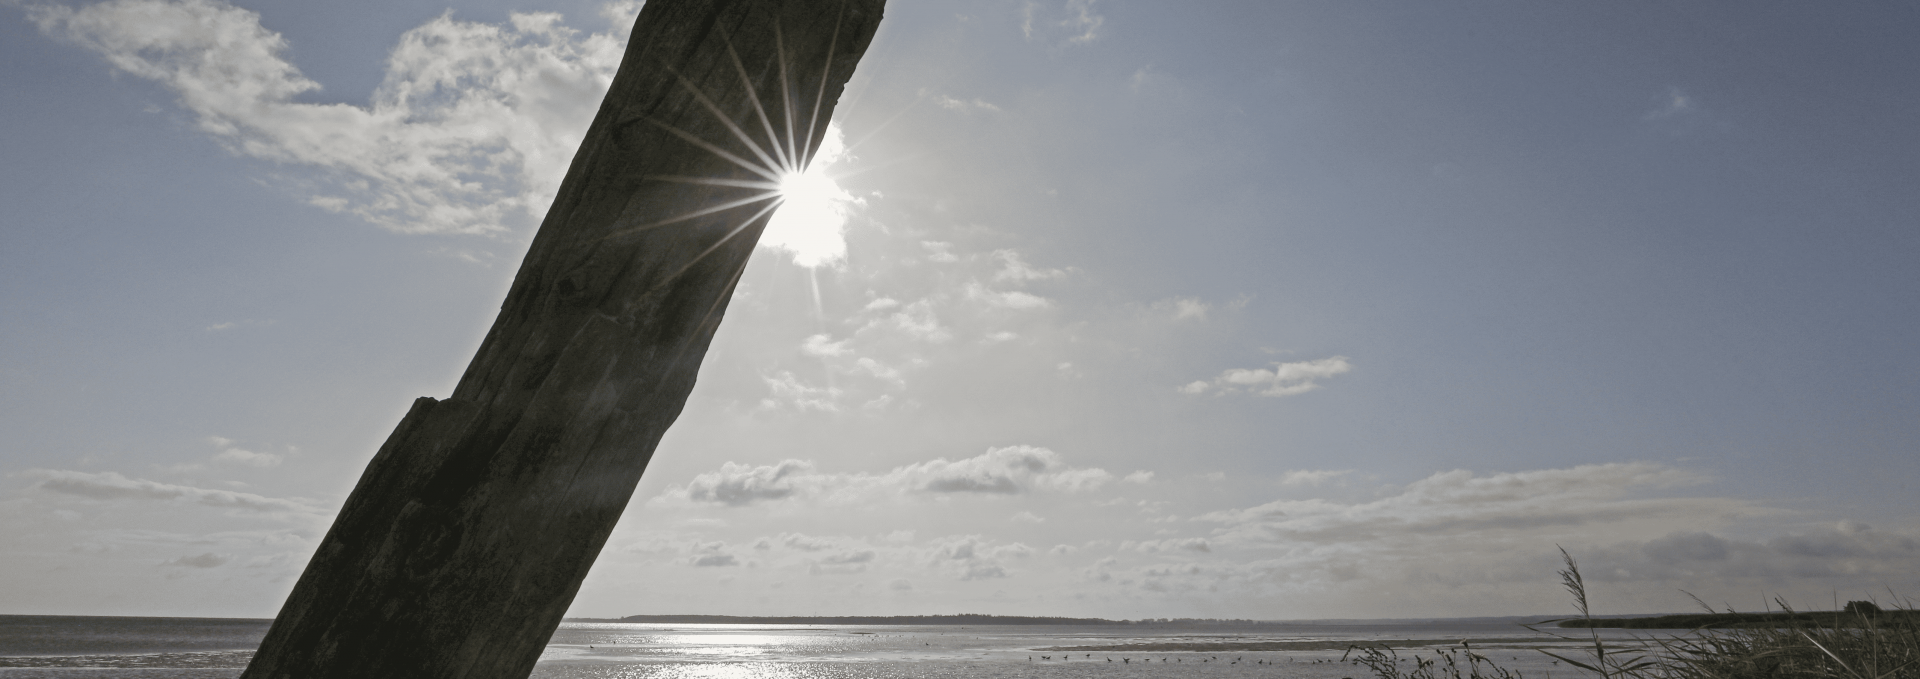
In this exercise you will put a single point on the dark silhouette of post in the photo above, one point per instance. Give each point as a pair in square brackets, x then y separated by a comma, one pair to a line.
[467, 537]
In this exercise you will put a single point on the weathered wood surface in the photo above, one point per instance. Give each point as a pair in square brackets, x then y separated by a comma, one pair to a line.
[470, 531]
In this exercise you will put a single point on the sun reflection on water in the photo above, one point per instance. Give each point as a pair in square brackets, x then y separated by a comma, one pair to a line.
[719, 671]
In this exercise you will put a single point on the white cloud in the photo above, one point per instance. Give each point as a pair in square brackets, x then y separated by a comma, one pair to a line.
[739, 484]
[806, 543]
[1028, 517]
[940, 251]
[1015, 269]
[1012, 299]
[1084, 24]
[971, 557]
[247, 457]
[1311, 477]
[823, 345]
[958, 557]
[880, 370]
[1012, 470]
[1140, 476]
[785, 389]
[235, 455]
[1283, 379]
[916, 320]
[112, 486]
[707, 554]
[982, 571]
[851, 561]
[1009, 470]
[470, 131]
[1171, 545]
[855, 556]
[620, 14]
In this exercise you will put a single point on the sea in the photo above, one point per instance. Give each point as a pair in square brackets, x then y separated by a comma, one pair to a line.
[80, 647]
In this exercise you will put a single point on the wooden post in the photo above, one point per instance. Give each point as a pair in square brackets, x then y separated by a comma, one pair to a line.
[468, 535]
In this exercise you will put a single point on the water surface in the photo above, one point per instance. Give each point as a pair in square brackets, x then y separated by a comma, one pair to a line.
[70, 647]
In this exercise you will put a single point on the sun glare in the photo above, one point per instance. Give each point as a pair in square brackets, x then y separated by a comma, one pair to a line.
[811, 221]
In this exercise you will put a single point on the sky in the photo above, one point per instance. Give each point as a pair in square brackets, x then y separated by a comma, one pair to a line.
[1106, 308]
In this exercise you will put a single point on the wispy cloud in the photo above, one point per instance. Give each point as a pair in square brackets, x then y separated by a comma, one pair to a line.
[205, 560]
[1072, 22]
[229, 325]
[113, 486]
[1282, 379]
[232, 454]
[1461, 535]
[964, 105]
[1014, 268]
[1679, 113]
[1458, 502]
[1184, 308]
[1675, 103]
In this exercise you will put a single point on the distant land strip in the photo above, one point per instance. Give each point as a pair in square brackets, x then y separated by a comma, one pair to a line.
[1751, 620]
[1315, 645]
[962, 619]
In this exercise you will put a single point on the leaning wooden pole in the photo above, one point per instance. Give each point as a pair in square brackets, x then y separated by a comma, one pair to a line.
[470, 531]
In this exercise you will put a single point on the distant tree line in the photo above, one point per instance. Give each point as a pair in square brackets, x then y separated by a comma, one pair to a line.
[1850, 616]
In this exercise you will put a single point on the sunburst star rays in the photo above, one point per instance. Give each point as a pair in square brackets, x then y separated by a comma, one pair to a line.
[809, 208]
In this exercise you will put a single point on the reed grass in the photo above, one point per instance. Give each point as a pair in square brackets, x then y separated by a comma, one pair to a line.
[1860, 642]
[1445, 664]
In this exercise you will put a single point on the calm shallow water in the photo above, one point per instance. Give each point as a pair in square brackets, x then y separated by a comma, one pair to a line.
[35, 647]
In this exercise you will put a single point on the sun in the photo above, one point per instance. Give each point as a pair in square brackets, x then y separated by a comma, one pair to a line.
[811, 221]
[796, 183]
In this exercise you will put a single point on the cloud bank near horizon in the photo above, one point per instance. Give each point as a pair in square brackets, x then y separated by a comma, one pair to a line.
[1010, 470]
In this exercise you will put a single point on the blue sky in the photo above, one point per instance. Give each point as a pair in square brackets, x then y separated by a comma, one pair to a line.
[1212, 309]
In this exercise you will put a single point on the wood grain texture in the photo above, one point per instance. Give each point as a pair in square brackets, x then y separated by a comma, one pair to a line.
[468, 535]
